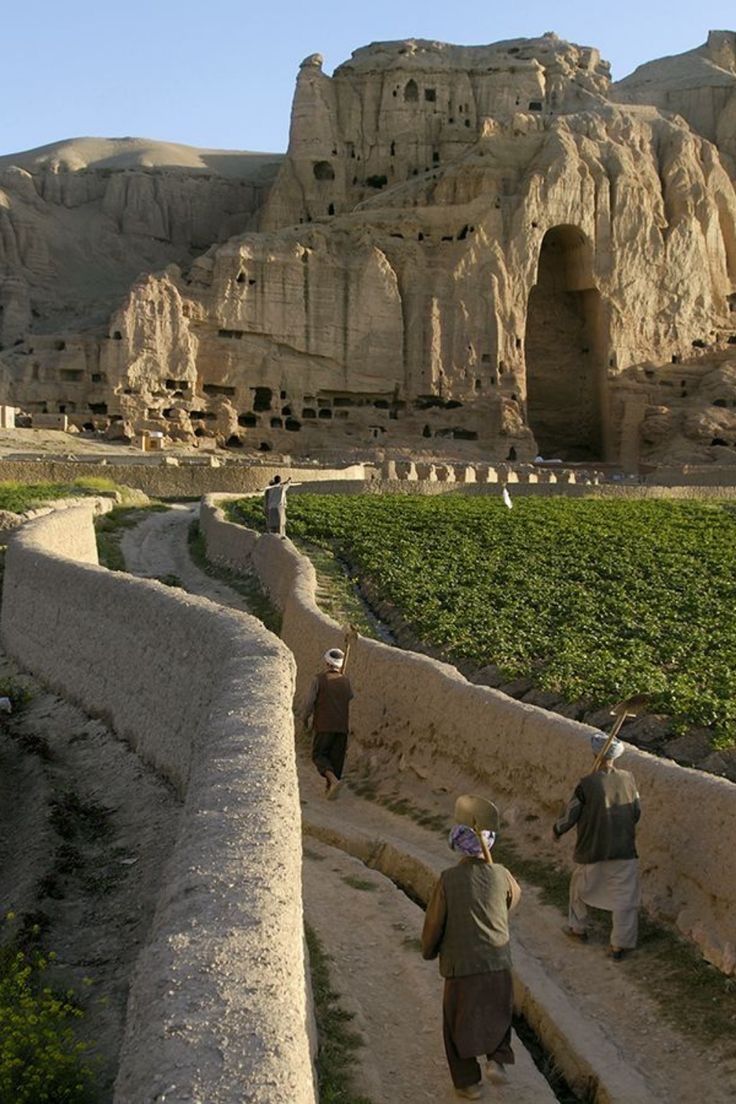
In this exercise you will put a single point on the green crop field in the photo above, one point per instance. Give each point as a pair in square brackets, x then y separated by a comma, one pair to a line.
[595, 600]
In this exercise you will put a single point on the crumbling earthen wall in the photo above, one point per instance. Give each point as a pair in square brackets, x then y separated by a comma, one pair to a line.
[218, 1009]
[169, 480]
[420, 713]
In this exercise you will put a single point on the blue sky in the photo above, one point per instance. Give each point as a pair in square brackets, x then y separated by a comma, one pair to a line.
[221, 73]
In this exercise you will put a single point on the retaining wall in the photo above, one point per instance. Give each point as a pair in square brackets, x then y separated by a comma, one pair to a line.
[166, 477]
[218, 1008]
[422, 714]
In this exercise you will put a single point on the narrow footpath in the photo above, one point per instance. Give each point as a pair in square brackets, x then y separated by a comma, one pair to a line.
[590, 1010]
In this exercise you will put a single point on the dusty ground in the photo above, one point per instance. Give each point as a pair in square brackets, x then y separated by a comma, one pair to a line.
[85, 830]
[53, 444]
[365, 923]
[601, 1000]
[90, 878]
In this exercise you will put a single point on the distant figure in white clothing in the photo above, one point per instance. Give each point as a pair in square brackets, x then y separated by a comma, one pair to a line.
[274, 505]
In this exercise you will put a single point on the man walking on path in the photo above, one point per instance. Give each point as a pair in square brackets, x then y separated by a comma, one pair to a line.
[605, 809]
[274, 505]
[328, 706]
[466, 923]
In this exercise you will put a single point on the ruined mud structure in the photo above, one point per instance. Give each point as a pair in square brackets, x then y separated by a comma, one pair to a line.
[489, 250]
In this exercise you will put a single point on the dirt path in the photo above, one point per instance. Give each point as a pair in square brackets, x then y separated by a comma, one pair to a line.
[370, 929]
[596, 1004]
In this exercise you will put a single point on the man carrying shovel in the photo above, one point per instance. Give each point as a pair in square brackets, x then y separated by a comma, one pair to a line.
[328, 708]
[466, 924]
[605, 810]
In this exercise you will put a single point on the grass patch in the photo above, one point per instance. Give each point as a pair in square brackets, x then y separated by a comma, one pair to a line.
[170, 580]
[20, 497]
[402, 806]
[109, 530]
[337, 592]
[359, 883]
[19, 695]
[338, 1042]
[33, 744]
[337, 589]
[72, 818]
[246, 585]
[308, 853]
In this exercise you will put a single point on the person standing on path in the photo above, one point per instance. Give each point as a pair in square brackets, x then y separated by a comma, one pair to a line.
[328, 708]
[274, 505]
[467, 925]
[605, 809]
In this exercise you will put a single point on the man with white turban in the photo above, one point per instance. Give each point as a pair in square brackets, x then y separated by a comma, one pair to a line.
[328, 708]
[605, 810]
[466, 924]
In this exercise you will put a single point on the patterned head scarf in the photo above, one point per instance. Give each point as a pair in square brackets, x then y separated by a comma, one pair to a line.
[462, 838]
[598, 742]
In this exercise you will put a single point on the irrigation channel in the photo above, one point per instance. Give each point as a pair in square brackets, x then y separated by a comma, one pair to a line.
[365, 869]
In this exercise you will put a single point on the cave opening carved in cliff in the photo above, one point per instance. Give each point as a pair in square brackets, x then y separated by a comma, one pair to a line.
[565, 350]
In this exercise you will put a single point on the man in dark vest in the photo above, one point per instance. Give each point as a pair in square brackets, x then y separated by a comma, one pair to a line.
[328, 706]
[605, 811]
[466, 924]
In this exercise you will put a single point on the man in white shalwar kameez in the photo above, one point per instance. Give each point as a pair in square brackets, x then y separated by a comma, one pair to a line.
[605, 810]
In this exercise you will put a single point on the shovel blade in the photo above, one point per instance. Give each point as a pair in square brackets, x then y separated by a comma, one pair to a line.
[631, 707]
[477, 813]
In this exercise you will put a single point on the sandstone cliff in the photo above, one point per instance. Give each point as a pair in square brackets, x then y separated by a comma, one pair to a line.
[80, 220]
[465, 244]
[700, 85]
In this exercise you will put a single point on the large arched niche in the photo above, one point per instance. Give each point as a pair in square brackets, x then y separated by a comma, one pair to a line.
[565, 350]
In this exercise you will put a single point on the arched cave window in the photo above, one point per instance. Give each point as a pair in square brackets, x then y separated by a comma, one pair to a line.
[323, 170]
[411, 92]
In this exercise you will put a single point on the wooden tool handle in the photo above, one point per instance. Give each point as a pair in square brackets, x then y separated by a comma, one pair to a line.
[351, 634]
[483, 845]
[617, 725]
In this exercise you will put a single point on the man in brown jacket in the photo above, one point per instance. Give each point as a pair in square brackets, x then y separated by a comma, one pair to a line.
[328, 706]
[466, 923]
[605, 810]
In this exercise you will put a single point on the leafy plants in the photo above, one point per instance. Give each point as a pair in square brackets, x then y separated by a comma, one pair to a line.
[593, 600]
[41, 1058]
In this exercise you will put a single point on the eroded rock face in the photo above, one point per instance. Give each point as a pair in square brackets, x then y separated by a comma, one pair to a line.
[396, 110]
[700, 85]
[80, 220]
[466, 249]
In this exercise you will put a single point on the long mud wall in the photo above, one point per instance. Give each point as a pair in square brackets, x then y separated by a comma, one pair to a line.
[423, 715]
[218, 1009]
[169, 478]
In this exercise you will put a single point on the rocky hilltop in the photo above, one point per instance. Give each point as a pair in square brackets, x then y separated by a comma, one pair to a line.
[488, 250]
[81, 219]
